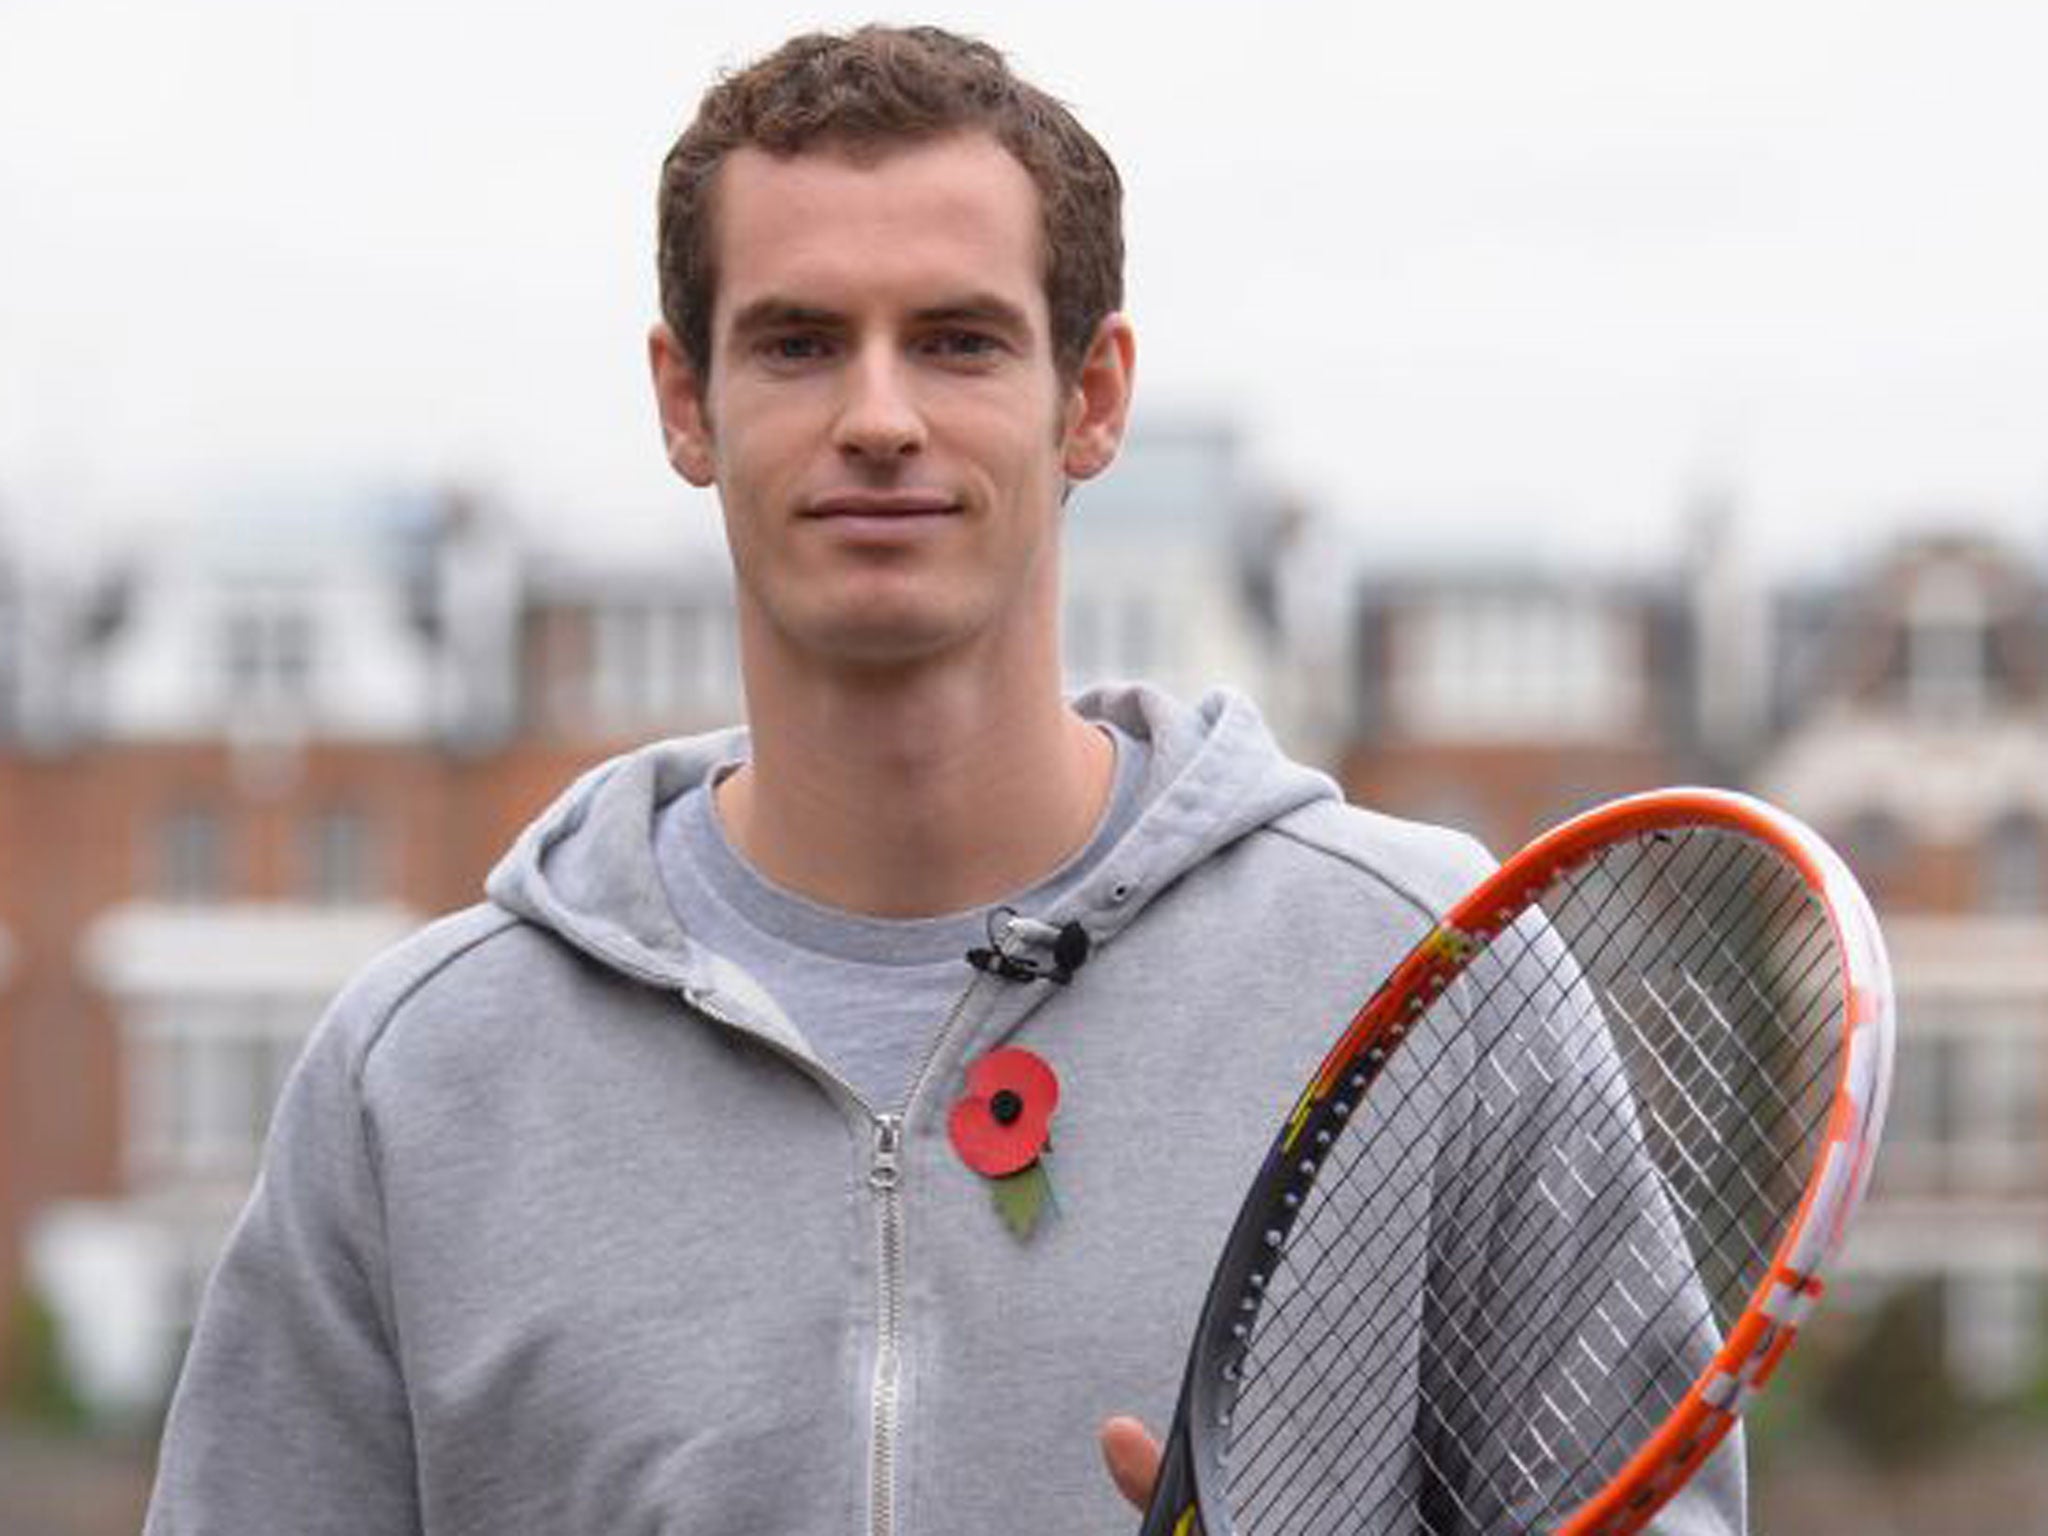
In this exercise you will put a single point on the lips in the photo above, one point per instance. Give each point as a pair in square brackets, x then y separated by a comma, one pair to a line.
[881, 505]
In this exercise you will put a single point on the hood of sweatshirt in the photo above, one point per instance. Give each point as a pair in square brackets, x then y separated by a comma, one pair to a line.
[586, 868]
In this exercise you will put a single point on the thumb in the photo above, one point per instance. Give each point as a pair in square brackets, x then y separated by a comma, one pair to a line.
[1132, 1456]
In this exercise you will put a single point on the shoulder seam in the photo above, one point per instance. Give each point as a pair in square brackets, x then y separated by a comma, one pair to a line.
[366, 1128]
[374, 1036]
[1364, 866]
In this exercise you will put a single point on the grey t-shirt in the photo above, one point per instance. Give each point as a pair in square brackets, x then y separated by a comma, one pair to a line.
[868, 993]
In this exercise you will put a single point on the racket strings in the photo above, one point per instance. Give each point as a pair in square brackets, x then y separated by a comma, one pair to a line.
[1356, 1150]
[1491, 1383]
[1611, 1329]
[1367, 1373]
[1769, 1128]
[1695, 1185]
[1777, 1134]
[1308, 1281]
[1660, 1060]
[1366, 1379]
[1711, 1222]
[1390, 1104]
[1658, 1069]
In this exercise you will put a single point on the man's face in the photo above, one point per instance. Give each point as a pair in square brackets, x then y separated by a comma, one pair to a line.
[883, 419]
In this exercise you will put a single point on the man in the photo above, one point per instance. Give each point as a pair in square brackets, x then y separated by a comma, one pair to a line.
[627, 1200]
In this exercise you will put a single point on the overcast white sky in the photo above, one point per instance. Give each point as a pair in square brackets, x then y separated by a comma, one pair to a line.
[1488, 274]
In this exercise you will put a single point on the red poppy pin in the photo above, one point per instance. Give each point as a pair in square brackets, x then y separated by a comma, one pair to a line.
[1001, 1127]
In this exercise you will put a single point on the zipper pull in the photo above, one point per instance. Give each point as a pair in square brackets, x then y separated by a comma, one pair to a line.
[886, 1170]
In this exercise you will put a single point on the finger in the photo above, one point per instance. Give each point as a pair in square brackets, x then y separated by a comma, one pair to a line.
[1132, 1456]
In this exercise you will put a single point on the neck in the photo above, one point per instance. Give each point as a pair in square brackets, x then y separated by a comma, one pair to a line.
[915, 791]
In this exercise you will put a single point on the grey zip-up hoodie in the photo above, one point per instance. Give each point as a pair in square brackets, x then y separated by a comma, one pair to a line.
[562, 1229]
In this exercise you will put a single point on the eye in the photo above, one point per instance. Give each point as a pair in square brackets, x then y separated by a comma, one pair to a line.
[962, 345]
[787, 348]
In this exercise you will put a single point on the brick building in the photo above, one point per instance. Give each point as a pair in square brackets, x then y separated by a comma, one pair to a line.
[258, 754]
[237, 762]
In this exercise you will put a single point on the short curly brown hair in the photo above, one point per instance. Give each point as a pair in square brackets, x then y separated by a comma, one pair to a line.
[864, 93]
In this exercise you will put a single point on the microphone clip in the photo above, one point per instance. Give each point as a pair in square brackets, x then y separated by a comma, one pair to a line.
[1012, 938]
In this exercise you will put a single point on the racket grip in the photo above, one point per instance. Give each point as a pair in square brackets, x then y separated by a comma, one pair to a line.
[1172, 1510]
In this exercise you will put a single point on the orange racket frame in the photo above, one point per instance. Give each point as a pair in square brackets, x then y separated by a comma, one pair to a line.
[1781, 1301]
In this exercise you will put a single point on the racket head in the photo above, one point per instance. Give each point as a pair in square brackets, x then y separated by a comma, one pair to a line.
[1689, 949]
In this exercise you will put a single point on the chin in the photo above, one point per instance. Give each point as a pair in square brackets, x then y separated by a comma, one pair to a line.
[898, 645]
[873, 631]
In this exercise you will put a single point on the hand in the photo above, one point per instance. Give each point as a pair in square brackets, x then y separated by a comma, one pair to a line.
[1132, 1456]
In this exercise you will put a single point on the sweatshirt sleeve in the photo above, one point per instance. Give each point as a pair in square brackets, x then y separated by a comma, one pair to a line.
[1551, 1219]
[290, 1414]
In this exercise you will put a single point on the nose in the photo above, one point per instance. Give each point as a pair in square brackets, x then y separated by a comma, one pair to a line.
[879, 419]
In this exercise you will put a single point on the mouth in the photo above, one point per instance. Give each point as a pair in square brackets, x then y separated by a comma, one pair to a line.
[880, 506]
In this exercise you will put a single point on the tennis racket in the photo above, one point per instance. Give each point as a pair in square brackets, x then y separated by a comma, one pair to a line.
[1558, 1199]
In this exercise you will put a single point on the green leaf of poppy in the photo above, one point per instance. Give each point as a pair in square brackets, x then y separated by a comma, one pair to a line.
[1022, 1197]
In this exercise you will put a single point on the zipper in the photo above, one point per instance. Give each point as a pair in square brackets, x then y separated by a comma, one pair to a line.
[885, 1179]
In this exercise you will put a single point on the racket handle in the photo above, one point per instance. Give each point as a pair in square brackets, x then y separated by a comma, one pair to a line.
[1172, 1510]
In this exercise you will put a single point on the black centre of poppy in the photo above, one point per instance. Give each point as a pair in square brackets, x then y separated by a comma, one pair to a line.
[1006, 1106]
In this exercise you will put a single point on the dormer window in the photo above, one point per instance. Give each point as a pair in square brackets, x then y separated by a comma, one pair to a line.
[1948, 645]
[267, 648]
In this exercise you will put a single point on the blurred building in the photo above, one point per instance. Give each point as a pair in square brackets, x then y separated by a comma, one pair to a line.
[235, 764]
[1501, 702]
[1180, 568]
[1902, 711]
[261, 752]
[240, 760]
[1503, 699]
[1912, 729]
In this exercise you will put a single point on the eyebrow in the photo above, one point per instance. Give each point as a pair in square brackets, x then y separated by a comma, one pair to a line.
[774, 313]
[985, 308]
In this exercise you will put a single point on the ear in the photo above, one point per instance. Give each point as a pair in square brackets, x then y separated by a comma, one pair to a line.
[1099, 400]
[679, 394]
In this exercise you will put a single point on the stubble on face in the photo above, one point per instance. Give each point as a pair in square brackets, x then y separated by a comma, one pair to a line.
[882, 332]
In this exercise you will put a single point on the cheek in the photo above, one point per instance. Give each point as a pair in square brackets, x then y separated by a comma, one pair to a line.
[1022, 439]
[746, 499]
[752, 459]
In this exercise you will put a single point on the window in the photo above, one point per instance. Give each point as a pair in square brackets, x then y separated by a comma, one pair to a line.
[2009, 866]
[338, 855]
[1920, 1118]
[628, 667]
[1112, 632]
[267, 647]
[657, 664]
[1948, 650]
[204, 1077]
[1969, 1106]
[1516, 665]
[1874, 844]
[708, 660]
[191, 855]
[1998, 1127]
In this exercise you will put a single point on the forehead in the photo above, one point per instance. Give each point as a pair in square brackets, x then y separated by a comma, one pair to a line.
[829, 227]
